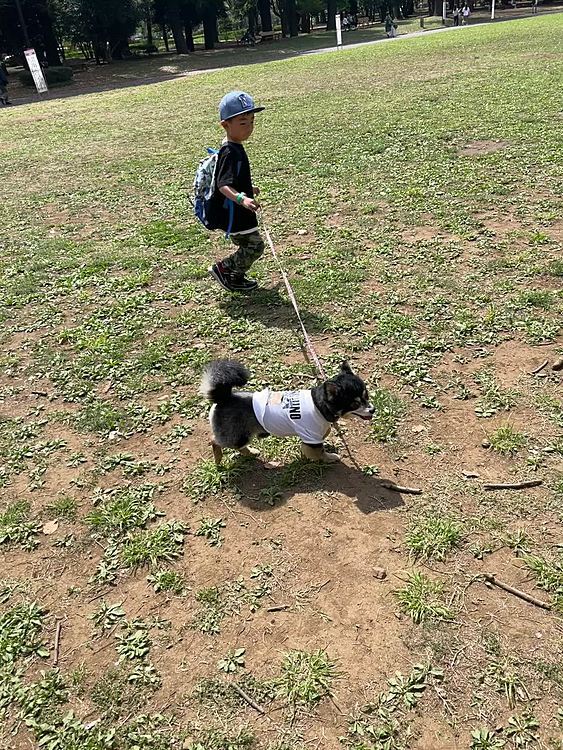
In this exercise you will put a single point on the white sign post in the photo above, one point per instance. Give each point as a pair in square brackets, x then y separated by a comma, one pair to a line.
[36, 71]
[338, 32]
[492, 10]
[444, 11]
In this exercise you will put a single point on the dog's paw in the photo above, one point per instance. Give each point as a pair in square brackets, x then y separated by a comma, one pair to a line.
[330, 458]
[250, 452]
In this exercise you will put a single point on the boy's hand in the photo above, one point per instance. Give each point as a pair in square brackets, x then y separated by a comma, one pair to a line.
[251, 204]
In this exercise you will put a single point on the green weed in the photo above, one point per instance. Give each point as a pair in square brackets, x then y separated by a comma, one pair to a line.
[167, 580]
[389, 410]
[149, 547]
[506, 440]
[306, 677]
[422, 599]
[549, 576]
[433, 536]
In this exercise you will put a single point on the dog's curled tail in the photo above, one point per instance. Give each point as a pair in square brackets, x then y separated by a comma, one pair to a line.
[220, 377]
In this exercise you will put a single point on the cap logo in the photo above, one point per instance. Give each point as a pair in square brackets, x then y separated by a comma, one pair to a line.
[245, 101]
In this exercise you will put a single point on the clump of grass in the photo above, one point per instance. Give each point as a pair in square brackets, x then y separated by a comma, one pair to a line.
[504, 678]
[217, 739]
[389, 410]
[549, 576]
[432, 536]
[101, 416]
[422, 599]
[148, 547]
[64, 507]
[555, 268]
[122, 510]
[506, 440]
[485, 739]
[167, 580]
[16, 528]
[306, 677]
[493, 399]
[209, 479]
[210, 528]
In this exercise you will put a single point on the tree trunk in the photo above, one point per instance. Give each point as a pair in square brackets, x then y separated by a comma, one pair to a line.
[306, 23]
[165, 37]
[331, 15]
[178, 34]
[265, 15]
[189, 36]
[252, 21]
[149, 30]
[284, 21]
[47, 32]
[210, 28]
[292, 17]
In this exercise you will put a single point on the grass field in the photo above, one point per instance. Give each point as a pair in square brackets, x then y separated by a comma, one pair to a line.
[414, 193]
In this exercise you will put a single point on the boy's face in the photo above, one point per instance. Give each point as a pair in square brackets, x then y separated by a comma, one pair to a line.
[239, 128]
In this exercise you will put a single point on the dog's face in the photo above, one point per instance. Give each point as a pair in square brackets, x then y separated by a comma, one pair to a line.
[346, 394]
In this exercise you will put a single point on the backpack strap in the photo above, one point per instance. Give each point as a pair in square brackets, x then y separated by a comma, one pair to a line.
[231, 206]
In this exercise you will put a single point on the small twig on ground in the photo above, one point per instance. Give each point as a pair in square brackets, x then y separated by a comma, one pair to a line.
[57, 641]
[318, 588]
[40, 393]
[242, 513]
[278, 608]
[335, 704]
[540, 368]
[399, 488]
[511, 590]
[237, 688]
[514, 485]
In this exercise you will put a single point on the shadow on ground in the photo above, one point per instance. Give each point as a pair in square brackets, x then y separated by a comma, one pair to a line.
[262, 489]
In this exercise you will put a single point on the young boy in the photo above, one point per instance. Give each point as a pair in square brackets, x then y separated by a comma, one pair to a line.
[233, 207]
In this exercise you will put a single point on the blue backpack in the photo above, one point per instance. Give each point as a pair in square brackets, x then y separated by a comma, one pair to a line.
[204, 187]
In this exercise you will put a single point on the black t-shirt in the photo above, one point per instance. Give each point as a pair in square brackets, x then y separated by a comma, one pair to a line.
[233, 170]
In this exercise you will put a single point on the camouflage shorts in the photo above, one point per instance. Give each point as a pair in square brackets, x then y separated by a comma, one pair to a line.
[250, 248]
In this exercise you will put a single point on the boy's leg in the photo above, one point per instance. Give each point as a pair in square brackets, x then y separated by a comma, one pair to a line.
[250, 248]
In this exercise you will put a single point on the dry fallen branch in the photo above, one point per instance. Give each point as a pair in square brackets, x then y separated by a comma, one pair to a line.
[57, 642]
[520, 594]
[514, 485]
[237, 688]
[540, 368]
[278, 608]
[399, 488]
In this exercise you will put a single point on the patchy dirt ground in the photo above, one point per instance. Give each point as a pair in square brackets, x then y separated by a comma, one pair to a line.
[143, 588]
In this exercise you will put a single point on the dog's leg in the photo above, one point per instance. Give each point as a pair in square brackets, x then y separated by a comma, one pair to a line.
[217, 453]
[318, 453]
[250, 452]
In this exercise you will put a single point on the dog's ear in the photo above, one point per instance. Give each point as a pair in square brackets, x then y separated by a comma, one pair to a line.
[331, 389]
[345, 367]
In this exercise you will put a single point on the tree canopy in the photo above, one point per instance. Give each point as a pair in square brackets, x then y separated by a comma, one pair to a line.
[102, 28]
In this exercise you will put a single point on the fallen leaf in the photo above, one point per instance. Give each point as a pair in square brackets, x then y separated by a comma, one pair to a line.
[50, 527]
[272, 464]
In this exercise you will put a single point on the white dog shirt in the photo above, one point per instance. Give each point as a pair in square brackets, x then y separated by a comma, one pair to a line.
[288, 413]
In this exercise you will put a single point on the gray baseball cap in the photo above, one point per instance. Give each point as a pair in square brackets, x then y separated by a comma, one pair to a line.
[237, 103]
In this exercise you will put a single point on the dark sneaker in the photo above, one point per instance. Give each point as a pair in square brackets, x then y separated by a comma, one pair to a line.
[220, 274]
[243, 283]
[229, 281]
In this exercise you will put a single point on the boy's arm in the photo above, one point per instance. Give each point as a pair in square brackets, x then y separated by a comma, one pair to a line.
[247, 202]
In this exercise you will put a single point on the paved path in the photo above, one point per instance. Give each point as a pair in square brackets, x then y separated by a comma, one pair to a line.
[146, 81]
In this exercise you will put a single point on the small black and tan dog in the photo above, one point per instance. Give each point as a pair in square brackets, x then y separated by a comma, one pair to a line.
[238, 416]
